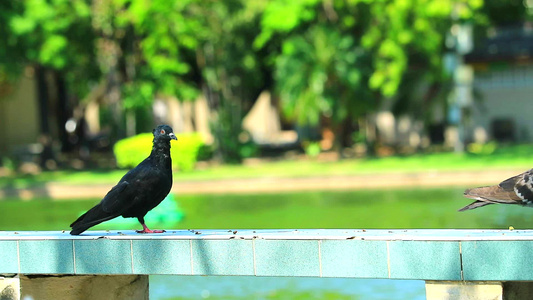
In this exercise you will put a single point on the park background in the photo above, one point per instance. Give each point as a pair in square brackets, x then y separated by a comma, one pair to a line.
[289, 114]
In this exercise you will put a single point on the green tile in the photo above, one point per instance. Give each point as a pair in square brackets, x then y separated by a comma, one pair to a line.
[9, 262]
[162, 257]
[103, 256]
[431, 260]
[46, 257]
[497, 260]
[222, 257]
[287, 258]
[354, 258]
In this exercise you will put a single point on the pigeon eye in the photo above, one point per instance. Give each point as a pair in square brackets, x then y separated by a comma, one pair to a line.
[162, 131]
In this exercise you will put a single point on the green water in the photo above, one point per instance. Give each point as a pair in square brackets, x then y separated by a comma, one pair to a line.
[404, 208]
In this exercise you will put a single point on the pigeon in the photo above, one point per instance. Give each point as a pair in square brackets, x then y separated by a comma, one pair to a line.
[515, 190]
[139, 191]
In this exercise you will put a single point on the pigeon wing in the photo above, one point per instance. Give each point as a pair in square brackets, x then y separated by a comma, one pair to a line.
[515, 190]
[117, 199]
[524, 187]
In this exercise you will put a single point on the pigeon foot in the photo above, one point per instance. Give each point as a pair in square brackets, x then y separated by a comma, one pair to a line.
[148, 230]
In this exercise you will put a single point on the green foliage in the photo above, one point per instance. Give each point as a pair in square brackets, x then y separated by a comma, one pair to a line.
[46, 25]
[8, 163]
[404, 33]
[284, 16]
[157, 37]
[56, 34]
[129, 152]
[338, 59]
[320, 73]
[137, 94]
[185, 153]
[232, 72]
[248, 149]
[172, 47]
[233, 144]
[482, 149]
[312, 149]
[334, 60]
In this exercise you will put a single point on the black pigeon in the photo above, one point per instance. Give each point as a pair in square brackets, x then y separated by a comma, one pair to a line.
[515, 190]
[139, 191]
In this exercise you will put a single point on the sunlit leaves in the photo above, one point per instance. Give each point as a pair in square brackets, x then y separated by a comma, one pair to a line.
[404, 28]
[51, 51]
[329, 52]
[21, 25]
[137, 94]
[386, 38]
[153, 36]
[44, 27]
[283, 16]
[314, 71]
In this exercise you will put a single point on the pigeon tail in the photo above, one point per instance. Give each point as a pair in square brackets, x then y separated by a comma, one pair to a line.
[475, 204]
[92, 217]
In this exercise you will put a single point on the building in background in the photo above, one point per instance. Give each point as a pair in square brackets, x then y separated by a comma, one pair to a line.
[503, 85]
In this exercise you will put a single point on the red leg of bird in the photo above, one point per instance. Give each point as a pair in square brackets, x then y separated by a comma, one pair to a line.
[147, 230]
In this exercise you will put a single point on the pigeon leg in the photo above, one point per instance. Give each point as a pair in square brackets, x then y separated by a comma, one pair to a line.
[148, 230]
[145, 228]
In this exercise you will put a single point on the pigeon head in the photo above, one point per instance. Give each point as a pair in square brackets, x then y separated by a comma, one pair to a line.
[164, 132]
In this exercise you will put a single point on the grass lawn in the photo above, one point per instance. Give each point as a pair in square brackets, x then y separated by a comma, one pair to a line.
[518, 156]
[378, 208]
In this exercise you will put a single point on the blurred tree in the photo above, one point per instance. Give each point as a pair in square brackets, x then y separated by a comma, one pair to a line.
[334, 61]
[54, 38]
[506, 12]
[341, 59]
[233, 74]
[57, 35]
[10, 52]
[322, 73]
[144, 51]
[181, 48]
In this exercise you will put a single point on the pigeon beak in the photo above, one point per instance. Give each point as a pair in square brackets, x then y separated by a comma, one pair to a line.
[172, 136]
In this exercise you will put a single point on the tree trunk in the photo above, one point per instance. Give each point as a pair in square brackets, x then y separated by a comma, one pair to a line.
[64, 111]
[47, 155]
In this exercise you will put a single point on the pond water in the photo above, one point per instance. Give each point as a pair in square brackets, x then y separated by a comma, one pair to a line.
[367, 209]
[231, 287]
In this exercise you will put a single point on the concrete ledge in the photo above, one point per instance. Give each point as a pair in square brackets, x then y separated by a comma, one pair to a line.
[454, 255]
[456, 264]
[478, 290]
[448, 290]
[118, 287]
[9, 288]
